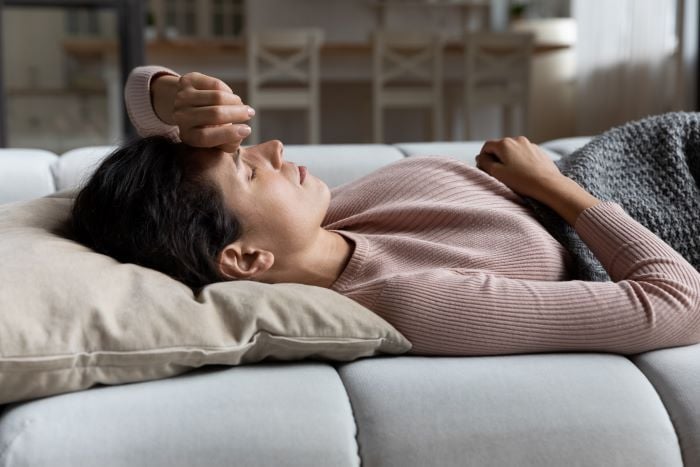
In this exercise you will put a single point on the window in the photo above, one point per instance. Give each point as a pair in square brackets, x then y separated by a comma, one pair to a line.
[180, 18]
[227, 18]
[199, 18]
[82, 22]
[61, 76]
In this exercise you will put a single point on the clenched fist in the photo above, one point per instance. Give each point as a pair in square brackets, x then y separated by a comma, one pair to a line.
[205, 109]
[519, 164]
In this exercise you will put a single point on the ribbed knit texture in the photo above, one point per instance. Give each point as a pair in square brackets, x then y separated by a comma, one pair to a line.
[457, 262]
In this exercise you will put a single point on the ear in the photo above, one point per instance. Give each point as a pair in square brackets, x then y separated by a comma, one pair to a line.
[238, 261]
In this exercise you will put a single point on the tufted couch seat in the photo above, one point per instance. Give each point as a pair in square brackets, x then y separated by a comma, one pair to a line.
[539, 410]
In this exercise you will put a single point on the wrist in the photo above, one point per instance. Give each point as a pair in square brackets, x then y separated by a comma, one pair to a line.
[567, 198]
[163, 91]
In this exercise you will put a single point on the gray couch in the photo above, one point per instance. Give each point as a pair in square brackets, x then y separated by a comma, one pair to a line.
[550, 409]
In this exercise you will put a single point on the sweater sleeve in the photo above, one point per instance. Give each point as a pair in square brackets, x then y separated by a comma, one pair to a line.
[653, 301]
[137, 94]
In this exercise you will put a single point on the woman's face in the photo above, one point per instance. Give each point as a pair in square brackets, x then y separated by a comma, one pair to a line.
[278, 212]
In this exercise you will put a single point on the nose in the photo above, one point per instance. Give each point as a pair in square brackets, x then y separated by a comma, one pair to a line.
[275, 152]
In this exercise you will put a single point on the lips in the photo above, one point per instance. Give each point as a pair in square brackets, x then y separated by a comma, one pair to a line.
[302, 174]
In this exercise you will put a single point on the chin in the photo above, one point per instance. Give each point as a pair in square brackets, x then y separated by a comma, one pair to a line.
[324, 200]
[325, 191]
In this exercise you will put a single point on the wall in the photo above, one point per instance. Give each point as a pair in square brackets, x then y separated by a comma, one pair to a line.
[346, 89]
[38, 61]
[42, 110]
[33, 53]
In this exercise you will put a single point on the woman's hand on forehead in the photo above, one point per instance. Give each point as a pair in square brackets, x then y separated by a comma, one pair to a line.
[209, 114]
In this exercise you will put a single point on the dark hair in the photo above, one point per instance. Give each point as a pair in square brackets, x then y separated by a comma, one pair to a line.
[146, 205]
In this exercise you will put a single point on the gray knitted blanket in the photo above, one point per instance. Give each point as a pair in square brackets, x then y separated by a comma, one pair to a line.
[651, 168]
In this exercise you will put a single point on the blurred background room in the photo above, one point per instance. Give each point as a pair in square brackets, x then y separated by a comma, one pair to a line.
[352, 71]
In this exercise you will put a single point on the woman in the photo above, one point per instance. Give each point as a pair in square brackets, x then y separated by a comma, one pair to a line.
[448, 254]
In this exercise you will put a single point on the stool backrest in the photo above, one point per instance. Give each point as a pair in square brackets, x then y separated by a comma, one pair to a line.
[498, 57]
[284, 55]
[284, 73]
[407, 56]
[407, 73]
[497, 72]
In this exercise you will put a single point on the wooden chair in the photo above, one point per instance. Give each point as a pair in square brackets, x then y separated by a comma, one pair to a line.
[497, 72]
[284, 73]
[407, 73]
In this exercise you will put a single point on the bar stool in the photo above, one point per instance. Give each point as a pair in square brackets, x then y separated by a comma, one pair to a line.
[407, 73]
[497, 72]
[283, 73]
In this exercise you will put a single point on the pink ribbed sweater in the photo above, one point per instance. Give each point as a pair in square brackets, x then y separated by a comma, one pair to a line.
[455, 261]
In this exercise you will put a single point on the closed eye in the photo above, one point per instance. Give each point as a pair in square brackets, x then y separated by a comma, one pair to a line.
[236, 159]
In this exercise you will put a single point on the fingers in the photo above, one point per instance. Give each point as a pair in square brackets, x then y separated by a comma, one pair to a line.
[212, 115]
[203, 82]
[501, 148]
[228, 136]
[486, 162]
[199, 98]
[492, 146]
[209, 114]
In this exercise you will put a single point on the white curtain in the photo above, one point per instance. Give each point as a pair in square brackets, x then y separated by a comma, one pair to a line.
[625, 61]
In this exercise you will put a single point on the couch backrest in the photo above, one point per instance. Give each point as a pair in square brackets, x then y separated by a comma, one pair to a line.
[26, 174]
[31, 173]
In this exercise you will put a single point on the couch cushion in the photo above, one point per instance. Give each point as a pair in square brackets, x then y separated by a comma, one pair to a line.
[294, 414]
[675, 373]
[540, 410]
[72, 317]
[74, 167]
[465, 151]
[25, 174]
[337, 164]
[565, 146]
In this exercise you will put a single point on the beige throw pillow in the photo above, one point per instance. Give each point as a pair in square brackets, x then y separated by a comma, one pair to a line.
[71, 318]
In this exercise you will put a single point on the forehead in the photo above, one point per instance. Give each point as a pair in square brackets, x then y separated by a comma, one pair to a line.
[211, 163]
[203, 159]
[217, 166]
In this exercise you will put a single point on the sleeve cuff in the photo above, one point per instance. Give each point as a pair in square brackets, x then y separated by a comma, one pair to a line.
[137, 94]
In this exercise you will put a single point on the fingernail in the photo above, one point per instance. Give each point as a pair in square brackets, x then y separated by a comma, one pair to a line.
[244, 131]
[251, 111]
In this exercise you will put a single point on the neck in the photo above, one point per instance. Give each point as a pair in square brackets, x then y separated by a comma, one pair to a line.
[321, 265]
